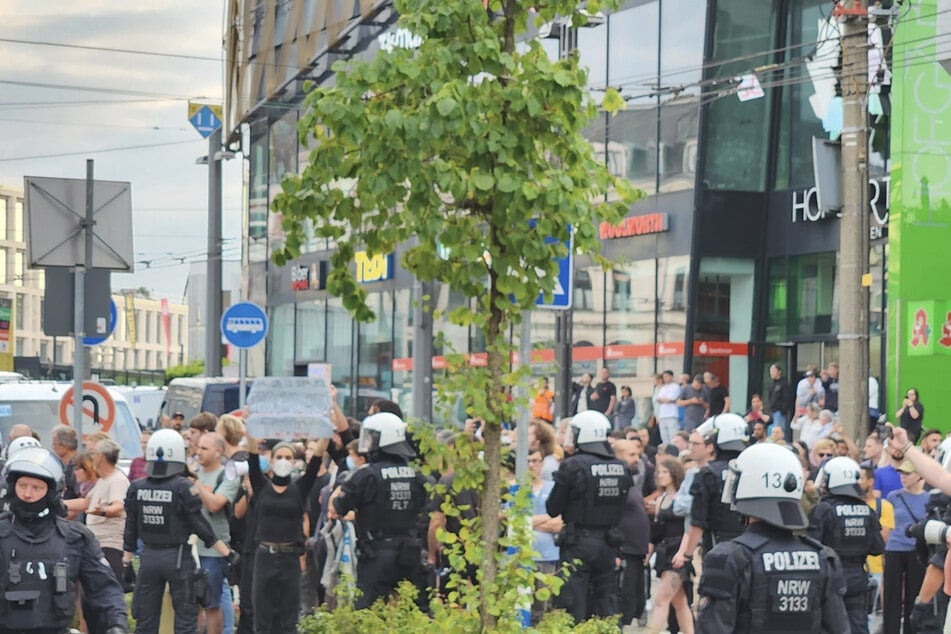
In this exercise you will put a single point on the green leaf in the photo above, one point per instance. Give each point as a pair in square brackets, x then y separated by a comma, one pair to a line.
[613, 101]
[483, 181]
[446, 105]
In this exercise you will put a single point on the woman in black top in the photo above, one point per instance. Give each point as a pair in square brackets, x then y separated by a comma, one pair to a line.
[279, 537]
[911, 414]
[667, 530]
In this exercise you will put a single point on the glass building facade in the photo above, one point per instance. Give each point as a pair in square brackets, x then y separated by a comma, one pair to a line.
[722, 266]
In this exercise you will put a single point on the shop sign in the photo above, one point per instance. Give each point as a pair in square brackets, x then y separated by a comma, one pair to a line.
[642, 225]
[805, 207]
[300, 278]
[400, 38]
[375, 268]
[720, 349]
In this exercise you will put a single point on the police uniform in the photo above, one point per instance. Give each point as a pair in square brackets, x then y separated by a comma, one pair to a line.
[163, 512]
[929, 617]
[43, 557]
[850, 527]
[589, 494]
[719, 522]
[770, 580]
[388, 496]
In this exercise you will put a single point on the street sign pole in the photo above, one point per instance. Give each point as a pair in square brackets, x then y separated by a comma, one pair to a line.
[213, 265]
[79, 311]
[242, 376]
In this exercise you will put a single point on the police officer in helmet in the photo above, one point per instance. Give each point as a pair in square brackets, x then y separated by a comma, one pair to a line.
[768, 579]
[388, 496]
[712, 521]
[162, 510]
[590, 490]
[43, 556]
[844, 522]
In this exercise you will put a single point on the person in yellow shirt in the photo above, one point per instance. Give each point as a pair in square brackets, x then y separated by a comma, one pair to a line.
[543, 406]
[886, 517]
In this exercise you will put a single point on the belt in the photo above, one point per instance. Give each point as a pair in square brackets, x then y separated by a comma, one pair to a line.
[593, 531]
[283, 548]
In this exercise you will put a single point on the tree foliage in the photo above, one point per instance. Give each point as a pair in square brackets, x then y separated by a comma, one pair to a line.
[467, 152]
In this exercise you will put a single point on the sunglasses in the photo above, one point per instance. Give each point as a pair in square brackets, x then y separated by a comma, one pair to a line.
[825, 455]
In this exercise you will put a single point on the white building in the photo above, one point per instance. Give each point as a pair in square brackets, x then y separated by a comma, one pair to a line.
[143, 338]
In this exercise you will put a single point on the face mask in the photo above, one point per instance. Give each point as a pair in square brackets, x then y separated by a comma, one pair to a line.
[265, 465]
[351, 464]
[283, 467]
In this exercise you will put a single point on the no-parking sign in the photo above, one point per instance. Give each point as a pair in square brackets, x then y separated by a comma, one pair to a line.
[98, 407]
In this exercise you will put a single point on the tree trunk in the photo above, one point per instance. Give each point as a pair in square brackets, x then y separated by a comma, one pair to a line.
[492, 439]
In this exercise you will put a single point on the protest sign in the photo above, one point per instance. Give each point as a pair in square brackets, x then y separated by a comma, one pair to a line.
[289, 407]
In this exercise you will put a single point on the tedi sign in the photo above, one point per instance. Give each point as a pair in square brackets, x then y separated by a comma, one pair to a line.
[805, 207]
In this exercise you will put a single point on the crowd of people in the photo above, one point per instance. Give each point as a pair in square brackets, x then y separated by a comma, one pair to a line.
[659, 522]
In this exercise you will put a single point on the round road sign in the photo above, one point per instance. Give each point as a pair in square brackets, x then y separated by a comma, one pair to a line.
[95, 340]
[244, 325]
[98, 407]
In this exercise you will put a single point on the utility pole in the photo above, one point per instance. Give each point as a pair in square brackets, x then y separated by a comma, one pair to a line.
[213, 266]
[854, 277]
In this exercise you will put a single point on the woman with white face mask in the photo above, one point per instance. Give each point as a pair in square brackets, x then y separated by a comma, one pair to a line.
[279, 534]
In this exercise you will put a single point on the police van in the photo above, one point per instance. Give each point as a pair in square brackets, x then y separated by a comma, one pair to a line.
[37, 404]
[191, 396]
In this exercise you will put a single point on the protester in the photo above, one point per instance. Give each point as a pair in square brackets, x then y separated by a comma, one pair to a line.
[903, 570]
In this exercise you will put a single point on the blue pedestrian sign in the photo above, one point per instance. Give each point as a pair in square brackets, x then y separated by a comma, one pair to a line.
[564, 284]
[206, 118]
[244, 325]
[95, 340]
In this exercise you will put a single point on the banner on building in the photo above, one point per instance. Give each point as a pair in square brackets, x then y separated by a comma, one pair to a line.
[6, 324]
[166, 326]
[130, 318]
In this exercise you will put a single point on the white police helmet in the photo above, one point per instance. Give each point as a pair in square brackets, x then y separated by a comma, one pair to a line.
[17, 444]
[165, 454]
[728, 432]
[384, 432]
[591, 429]
[840, 476]
[39, 463]
[766, 482]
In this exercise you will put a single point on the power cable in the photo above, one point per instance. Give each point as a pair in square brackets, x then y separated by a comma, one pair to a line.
[99, 151]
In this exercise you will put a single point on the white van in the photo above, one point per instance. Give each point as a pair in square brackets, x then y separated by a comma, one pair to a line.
[145, 401]
[37, 405]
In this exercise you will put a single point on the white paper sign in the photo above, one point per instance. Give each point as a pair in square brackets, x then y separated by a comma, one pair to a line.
[289, 407]
[749, 88]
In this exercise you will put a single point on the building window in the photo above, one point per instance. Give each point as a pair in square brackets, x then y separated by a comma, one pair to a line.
[280, 345]
[3, 218]
[18, 222]
[19, 346]
[18, 268]
[311, 331]
[3, 267]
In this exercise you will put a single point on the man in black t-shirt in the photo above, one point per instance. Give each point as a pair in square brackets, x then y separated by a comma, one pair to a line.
[719, 396]
[604, 396]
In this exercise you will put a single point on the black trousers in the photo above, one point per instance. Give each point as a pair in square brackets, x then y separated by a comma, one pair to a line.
[158, 567]
[246, 590]
[856, 597]
[595, 573]
[276, 592]
[382, 564]
[903, 575]
[630, 596]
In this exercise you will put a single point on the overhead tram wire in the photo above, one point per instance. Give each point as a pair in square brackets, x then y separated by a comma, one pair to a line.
[99, 151]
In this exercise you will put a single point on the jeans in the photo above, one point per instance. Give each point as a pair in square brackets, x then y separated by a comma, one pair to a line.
[779, 418]
[668, 427]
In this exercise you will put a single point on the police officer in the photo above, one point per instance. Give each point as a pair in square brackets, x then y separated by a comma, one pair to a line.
[42, 555]
[162, 510]
[768, 579]
[712, 521]
[589, 494]
[843, 521]
[387, 496]
[14, 446]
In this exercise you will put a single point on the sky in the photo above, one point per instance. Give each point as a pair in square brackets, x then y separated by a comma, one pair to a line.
[62, 103]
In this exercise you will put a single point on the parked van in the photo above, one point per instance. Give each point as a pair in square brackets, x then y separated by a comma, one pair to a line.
[37, 405]
[202, 394]
[146, 403]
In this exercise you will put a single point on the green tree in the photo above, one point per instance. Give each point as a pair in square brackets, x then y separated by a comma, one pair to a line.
[451, 149]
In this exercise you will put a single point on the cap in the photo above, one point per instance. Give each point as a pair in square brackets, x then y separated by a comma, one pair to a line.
[907, 467]
[810, 373]
[178, 415]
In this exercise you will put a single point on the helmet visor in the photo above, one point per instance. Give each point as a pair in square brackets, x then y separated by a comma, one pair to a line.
[369, 441]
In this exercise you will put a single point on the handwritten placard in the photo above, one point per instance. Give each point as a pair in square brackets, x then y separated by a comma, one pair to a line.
[289, 407]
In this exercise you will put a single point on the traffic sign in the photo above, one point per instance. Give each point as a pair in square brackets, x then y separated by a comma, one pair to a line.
[98, 407]
[206, 118]
[107, 328]
[564, 283]
[244, 325]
